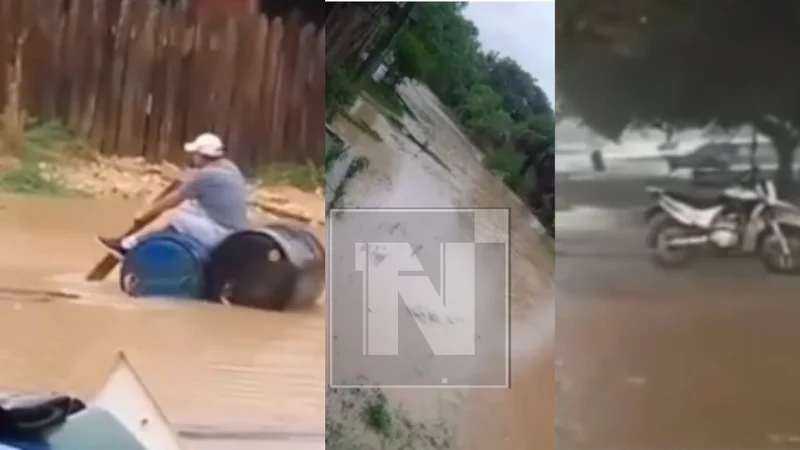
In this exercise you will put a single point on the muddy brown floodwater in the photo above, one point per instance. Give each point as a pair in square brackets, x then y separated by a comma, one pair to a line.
[449, 174]
[252, 376]
[704, 357]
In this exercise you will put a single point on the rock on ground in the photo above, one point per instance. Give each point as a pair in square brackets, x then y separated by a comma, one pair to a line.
[136, 178]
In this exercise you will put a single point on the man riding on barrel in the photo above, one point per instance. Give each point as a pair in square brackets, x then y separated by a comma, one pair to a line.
[210, 204]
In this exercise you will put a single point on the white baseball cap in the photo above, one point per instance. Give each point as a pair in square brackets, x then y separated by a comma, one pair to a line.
[206, 144]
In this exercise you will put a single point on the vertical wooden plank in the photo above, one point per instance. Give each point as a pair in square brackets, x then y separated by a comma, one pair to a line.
[77, 57]
[129, 140]
[193, 81]
[15, 23]
[145, 60]
[101, 122]
[86, 74]
[220, 54]
[223, 79]
[260, 119]
[5, 48]
[171, 124]
[192, 41]
[51, 27]
[158, 75]
[251, 135]
[45, 24]
[316, 102]
[300, 60]
[199, 116]
[69, 24]
[92, 80]
[117, 81]
[285, 73]
[29, 46]
[242, 71]
[270, 85]
[60, 65]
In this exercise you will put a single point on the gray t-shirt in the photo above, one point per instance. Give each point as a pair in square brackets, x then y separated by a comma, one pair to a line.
[221, 190]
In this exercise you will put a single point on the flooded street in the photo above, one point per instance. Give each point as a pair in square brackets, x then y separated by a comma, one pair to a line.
[704, 357]
[253, 377]
[448, 174]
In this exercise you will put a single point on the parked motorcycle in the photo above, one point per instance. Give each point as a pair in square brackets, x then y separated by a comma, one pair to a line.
[746, 217]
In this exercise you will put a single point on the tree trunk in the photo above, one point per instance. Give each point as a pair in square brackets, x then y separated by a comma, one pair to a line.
[785, 140]
[532, 154]
[784, 177]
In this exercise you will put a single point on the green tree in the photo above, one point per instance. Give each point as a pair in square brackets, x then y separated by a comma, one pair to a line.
[411, 59]
[452, 42]
[482, 113]
[680, 64]
[522, 97]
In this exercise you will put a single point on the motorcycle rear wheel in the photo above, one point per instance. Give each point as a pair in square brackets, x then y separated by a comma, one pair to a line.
[662, 229]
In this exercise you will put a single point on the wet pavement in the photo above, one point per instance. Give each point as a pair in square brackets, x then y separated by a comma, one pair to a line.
[445, 172]
[253, 376]
[701, 358]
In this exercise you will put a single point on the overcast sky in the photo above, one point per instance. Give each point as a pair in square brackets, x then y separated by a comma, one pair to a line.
[522, 31]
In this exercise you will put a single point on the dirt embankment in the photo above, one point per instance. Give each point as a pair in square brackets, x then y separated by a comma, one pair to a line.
[135, 178]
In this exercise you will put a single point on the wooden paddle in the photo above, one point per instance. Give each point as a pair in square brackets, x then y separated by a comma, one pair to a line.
[101, 270]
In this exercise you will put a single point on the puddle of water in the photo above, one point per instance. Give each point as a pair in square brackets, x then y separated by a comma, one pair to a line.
[206, 364]
[401, 175]
[589, 218]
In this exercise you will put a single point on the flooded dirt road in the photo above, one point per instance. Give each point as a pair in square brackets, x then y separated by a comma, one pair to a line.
[254, 377]
[446, 174]
[703, 358]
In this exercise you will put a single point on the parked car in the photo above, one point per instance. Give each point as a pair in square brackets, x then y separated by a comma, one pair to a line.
[712, 155]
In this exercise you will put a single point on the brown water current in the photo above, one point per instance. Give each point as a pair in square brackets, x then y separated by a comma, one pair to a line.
[446, 174]
[234, 371]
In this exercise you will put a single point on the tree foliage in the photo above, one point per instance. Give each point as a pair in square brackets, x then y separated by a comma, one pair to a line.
[500, 104]
[494, 97]
[680, 63]
[411, 59]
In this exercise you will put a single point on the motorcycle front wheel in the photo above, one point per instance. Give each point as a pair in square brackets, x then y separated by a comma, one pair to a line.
[773, 257]
[662, 230]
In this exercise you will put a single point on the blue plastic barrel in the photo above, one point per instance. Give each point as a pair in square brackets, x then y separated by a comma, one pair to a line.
[165, 265]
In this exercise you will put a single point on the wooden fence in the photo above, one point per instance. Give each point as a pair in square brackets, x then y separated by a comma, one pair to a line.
[136, 78]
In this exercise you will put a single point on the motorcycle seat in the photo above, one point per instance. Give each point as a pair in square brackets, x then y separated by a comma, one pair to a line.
[698, 199]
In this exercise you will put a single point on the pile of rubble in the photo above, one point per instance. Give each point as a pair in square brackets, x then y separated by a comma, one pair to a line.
[136, 178]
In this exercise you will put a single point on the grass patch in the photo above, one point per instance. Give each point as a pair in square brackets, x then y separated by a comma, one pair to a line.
[341, 91]
[377, 416]
[505, 163]
[29, 179]
[41, 142]
[46, 140]
[384, 96]
[334, 148]
[363, 419]
[358, 165]
[307, 177]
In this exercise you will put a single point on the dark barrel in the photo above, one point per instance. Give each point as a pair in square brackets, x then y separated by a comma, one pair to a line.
[273, 267]
[165, 265]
